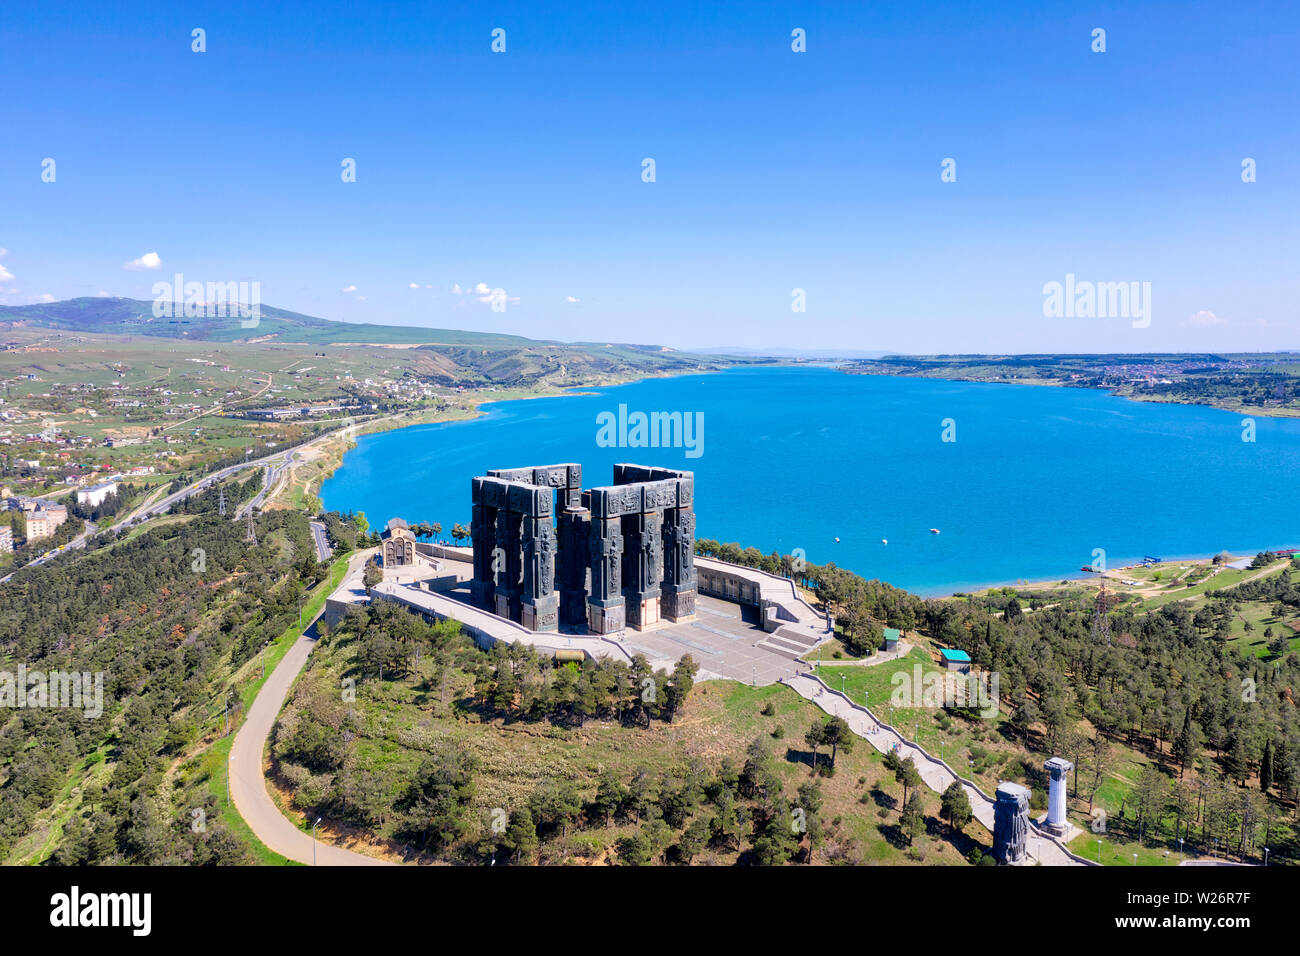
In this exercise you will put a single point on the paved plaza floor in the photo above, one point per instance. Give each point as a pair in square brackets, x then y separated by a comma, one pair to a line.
[724, 639]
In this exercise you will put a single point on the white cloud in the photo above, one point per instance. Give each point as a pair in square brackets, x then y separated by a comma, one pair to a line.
[482, 292]
[348, 288]
[44, 297]
[493, 296]
[361, 298]
[149, 260]
[5, 275]
[414, 285]
[3, 252]
[101, 294]
[1205, 319]
[569, 298]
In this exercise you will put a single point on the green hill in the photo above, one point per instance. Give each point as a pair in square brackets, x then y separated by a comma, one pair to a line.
[449, 355]
[135, 317]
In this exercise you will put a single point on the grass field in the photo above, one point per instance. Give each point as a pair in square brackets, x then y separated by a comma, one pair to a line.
[973, 747]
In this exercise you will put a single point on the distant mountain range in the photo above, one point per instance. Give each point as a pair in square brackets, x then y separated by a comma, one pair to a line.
[113, 316]
[462, 356]
[795, 353]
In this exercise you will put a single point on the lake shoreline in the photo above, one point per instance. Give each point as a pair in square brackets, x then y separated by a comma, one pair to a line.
[1236, 409]
[744, 405]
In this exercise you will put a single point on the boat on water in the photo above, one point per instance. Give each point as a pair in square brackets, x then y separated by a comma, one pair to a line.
[934, 531]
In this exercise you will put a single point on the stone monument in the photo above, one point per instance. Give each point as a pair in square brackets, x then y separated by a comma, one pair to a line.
[1011, 824]
[624, 554]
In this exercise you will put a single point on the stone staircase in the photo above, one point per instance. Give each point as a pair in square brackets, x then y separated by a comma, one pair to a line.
[788, 643]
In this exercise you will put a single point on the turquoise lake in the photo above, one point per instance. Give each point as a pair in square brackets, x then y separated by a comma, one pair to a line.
[1036, 479]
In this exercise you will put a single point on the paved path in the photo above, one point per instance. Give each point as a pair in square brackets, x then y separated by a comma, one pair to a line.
[935, 774]
[248, 785]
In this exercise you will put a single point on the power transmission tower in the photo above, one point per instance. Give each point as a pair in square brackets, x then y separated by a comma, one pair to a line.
[221, 502]
[251, 537]
[1101, 615]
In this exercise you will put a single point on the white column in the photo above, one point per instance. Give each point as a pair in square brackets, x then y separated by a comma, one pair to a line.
[1059, 768]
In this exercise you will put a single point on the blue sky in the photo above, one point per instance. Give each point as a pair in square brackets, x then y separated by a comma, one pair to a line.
[775, 170]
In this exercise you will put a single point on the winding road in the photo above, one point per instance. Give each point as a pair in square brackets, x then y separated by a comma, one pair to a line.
[247, 782]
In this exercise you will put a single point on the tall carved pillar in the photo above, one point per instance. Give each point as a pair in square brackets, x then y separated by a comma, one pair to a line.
[573, 571]
[643, 551]
[539, 603]
[605, 606]
[677, 600]
[507, 562]
[482, 532]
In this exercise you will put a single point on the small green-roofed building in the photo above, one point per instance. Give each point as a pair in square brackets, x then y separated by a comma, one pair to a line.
[892, 634]
[955, 660]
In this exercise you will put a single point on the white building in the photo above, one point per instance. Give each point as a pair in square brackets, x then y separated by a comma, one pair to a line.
[95, 495]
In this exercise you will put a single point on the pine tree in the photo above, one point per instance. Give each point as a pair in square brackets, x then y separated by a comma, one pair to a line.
[913, 818]
[1235, 762]
[955, 806]
[815, 737]
[1185, 745]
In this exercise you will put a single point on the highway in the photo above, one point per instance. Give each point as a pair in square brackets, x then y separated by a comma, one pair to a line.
[274, 467]
[78, 542]
[323, 550]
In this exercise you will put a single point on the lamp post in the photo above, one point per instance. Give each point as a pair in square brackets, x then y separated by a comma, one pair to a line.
[313, 841]
[1266, 856]
[1135, 859]
[1181, 857]
[1099, 852]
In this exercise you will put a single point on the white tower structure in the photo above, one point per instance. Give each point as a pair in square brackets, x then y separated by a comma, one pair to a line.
[1059, 768]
